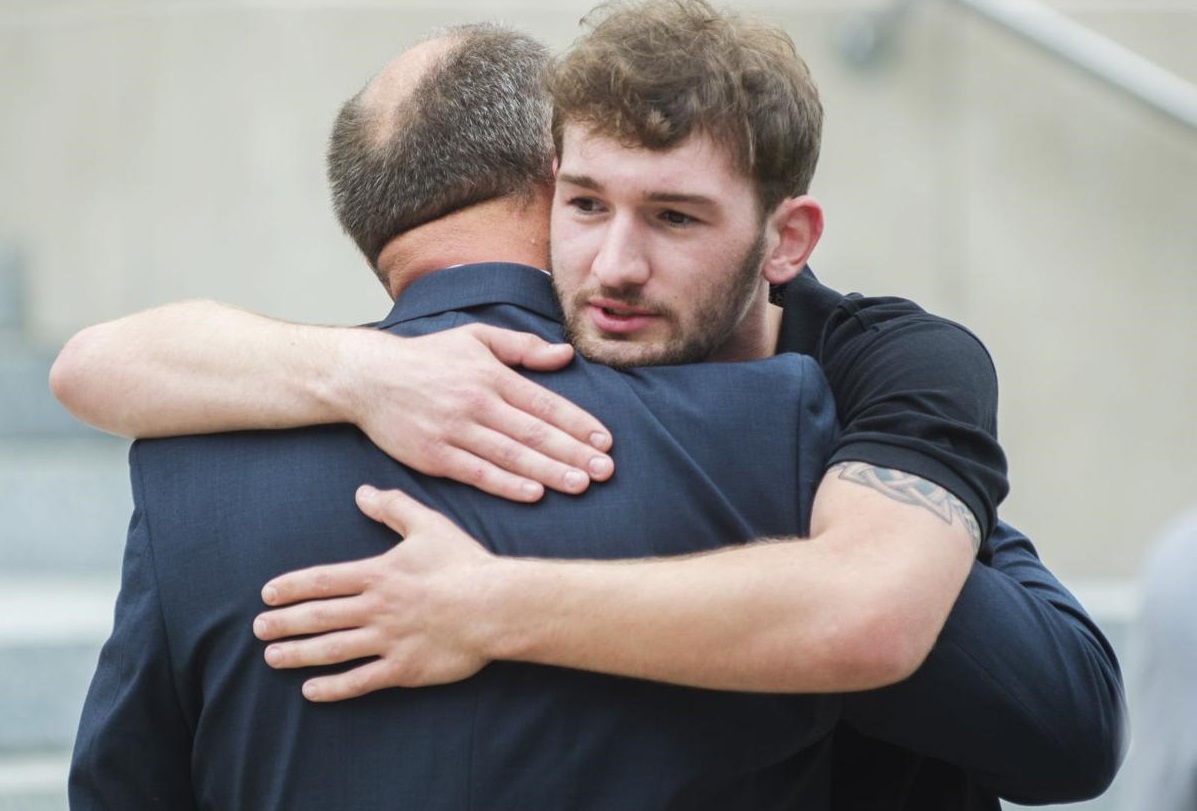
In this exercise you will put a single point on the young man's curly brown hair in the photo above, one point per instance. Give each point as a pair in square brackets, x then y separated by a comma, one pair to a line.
[654, 73]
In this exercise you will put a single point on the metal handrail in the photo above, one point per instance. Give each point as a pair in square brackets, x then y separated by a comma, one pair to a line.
[1119, 67]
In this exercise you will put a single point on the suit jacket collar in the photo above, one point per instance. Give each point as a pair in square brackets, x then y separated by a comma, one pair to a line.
[463, 286]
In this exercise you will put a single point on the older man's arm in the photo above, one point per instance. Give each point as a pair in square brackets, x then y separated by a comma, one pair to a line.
[1022, 689]
[858, 605]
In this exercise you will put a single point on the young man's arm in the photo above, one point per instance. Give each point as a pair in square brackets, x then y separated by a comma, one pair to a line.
[858, 605]
[188, 368]
[201, 367]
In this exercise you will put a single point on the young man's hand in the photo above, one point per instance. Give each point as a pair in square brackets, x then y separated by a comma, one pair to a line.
[415, 608]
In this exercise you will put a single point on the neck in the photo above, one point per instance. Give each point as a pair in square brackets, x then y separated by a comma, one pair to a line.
[774, 329]
[503, 230]
[756, 336]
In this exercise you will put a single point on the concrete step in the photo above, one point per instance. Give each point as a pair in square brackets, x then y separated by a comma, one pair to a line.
[66, 505]
[51, 631]
[34, 782]
[27, 408]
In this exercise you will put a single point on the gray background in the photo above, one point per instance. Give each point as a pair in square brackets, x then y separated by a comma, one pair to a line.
[151, 151]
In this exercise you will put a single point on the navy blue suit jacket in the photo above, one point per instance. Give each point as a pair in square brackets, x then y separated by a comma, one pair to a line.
[1022, 695]
[183, 712]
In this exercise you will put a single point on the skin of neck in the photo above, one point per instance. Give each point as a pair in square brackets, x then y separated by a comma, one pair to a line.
[757, 337]
[507, 229]
[773, 329]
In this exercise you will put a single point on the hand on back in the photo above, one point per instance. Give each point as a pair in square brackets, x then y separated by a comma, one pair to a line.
[449, 404]
[412, 611]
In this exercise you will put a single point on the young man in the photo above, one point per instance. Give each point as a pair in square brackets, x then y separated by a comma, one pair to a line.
[838, 612]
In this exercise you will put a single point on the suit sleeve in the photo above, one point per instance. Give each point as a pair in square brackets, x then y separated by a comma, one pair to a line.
[1022, 690]
[133, 747]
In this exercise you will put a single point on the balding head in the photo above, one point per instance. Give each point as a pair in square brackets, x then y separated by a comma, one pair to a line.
[384, 95]
[452, 122]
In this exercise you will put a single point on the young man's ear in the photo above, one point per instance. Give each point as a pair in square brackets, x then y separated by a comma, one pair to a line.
[793, 231]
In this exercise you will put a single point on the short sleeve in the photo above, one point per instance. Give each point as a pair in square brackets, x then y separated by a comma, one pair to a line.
[918, 393]
[913, 391]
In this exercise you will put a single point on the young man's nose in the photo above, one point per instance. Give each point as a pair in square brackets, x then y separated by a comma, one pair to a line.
[621, 260]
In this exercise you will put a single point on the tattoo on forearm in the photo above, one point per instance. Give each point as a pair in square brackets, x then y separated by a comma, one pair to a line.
[909, 489]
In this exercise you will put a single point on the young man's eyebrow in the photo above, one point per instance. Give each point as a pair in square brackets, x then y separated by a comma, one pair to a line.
[588, 182]
[585, 181]
[679, 197]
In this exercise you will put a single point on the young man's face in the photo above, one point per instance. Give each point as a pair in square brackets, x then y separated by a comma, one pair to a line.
[656, 256]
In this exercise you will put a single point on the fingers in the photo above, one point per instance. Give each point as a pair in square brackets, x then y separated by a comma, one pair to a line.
[546, 357]
[536, 436]
[523, 348]
[316, 583]
[562, 420]
[396, 509]
[352, 683]
[491, 459]
[554, 423]
[475, 420]
[517, 457]
[518, 348]
[469, 468]
[312, 617]
[391, 671]
[327, 649]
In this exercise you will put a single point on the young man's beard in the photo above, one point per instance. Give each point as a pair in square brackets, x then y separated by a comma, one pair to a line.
[717, 317]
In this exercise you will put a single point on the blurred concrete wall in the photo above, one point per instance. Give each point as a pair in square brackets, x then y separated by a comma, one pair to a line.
[151, 151]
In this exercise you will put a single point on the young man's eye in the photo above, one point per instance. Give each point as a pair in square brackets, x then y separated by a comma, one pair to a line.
[677, 218]
[583, 204]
